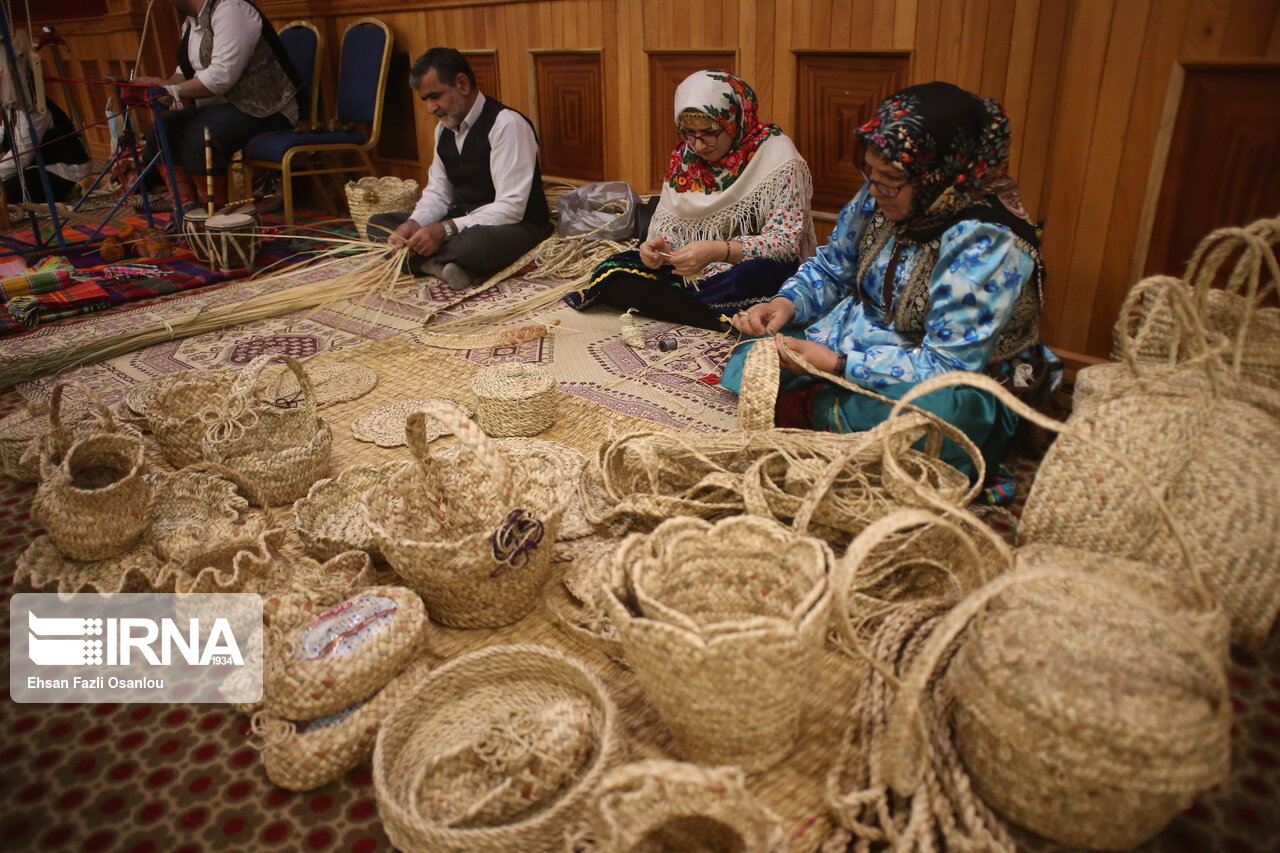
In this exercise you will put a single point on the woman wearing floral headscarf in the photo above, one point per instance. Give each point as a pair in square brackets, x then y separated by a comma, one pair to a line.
[732, 223]
[933, 267]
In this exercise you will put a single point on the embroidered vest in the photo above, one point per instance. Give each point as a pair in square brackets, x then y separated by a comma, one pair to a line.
[909, 309]
[268, 81]
[468, 169]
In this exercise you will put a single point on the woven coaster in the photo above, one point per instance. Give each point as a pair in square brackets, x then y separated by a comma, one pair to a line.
[385, 426]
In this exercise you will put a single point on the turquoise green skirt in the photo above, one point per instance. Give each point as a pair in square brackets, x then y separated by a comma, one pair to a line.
[988, 423]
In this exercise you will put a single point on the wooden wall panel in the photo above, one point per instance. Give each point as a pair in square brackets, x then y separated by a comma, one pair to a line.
[666, 72]
[571, 114]
[835, 93]
[1084, 82]
[485, 66]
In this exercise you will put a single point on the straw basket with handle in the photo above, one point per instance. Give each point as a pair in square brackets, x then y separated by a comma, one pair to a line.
[724, 626]
[174, 407]
[463, 532]
[370, 196]
[29, 441]
[496, 751]
[282, 449]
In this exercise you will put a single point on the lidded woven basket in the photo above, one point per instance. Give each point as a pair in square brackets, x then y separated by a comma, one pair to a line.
[370, 196]
[472, 534]
[724, 626]
[496, 751]
[515, 399]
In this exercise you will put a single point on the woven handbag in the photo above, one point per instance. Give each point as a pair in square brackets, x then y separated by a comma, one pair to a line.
[304, 756]
[319, 661]
[95, 503]
[331, 518]
[370, 196]
[176, 408]
[283, 450]
[659, 805]
[498, 750]
[724, 626]
[462, 532]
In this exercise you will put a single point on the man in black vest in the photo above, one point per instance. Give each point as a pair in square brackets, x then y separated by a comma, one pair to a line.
[484, 205]
[232, 65]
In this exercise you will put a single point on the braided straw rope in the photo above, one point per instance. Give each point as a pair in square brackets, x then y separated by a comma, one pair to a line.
[672, 805]
[305, 756]
[446, 758]
[441, 525]
[95, 503]
[320, 661]
[723, 625]
[515, 399]
[283, 450]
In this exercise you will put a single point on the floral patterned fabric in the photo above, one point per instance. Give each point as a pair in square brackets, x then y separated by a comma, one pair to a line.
[980, 270]
[732, 104]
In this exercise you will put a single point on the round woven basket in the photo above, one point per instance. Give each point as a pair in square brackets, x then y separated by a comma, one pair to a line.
[370, 196]
[331, 517]
[282, 450]
[515, 399]
[176, 407]
[654, 806]
[95, 503]
[317, 663]
[462, 532]
[303, 756]
[28, 441]
[724, 626]
[498, 750]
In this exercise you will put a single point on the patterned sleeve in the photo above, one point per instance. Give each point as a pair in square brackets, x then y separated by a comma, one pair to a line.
[974, 287]
[781, 236]
[831, 274]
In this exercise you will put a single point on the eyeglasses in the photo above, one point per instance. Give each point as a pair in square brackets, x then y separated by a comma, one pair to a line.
[886, 190]
[691, 136]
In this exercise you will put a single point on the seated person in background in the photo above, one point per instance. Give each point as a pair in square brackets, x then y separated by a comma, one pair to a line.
[483, 206]
[733, 219]
[933, 267]
[65, 157]
[232, 64]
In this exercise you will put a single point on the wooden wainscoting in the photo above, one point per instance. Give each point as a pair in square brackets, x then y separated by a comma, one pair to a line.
[570, 114]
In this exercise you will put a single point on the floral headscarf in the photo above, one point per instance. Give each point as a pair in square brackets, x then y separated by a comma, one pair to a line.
[732, 104]
[951, 145]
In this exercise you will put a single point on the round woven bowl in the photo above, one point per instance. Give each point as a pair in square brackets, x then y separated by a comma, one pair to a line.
[464, 703]
[303, 756]
[200, 505]
[95, 504]
[331, 517]
[515, 399]
[318, 663]
[724, 626]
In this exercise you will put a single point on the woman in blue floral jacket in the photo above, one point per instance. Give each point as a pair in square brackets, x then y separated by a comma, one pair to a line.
[932, 267]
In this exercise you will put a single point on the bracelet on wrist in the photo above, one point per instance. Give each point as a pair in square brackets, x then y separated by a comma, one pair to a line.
[728, 250]
[842, 362]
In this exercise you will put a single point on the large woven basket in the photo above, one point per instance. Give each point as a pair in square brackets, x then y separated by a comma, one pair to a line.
[176, 408]
[496, 751]
[95, 503]
[303, 756]
[723, 625]
[515, 399]
[370, 196]
[657, 805]
[318, 663]
[462, 532]
[283, 450]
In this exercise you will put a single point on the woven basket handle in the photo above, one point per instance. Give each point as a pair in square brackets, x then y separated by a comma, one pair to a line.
[250, 489]
[986, 383]
[1211, 253]
[1190, 336]
[846, 567]
[471, 436]
[247, 381]
[758, 395]
[906, 737]
[61, 435]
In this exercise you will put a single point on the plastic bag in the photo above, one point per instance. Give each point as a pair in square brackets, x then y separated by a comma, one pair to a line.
[605, 210]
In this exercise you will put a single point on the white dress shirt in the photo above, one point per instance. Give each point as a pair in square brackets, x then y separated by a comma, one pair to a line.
[236, 28]
[513, 151]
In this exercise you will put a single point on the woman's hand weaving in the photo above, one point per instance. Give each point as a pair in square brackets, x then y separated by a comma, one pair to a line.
[815, 353]
[765, 318]
[692, 259]
[653, 252]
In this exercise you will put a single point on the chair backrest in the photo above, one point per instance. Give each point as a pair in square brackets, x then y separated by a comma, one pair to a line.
[362, 74]
[305, 46]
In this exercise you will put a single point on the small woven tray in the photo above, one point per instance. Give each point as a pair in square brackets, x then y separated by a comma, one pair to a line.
[385, 426]
[43, 568]
[198, 505]
[331, 517]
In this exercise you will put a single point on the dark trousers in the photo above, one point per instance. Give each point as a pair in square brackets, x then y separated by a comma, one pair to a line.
[229, 128]
[13, 190]
[480, 249]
